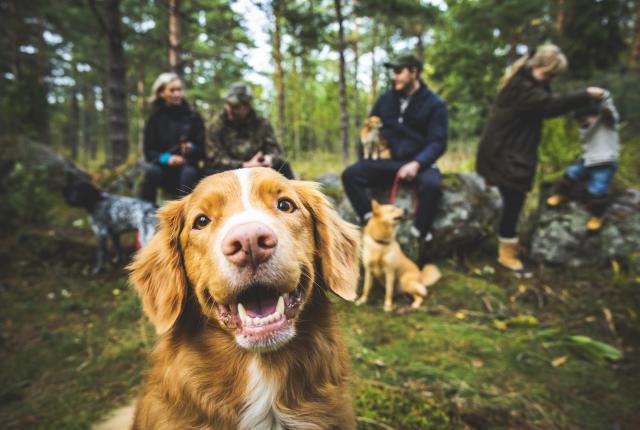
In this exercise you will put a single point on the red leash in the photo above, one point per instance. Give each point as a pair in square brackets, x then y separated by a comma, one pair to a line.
[394, 190]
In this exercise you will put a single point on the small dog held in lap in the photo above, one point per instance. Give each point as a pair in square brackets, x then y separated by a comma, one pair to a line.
[237, 281]
[385, 262]
[110, 216]
[374, 145]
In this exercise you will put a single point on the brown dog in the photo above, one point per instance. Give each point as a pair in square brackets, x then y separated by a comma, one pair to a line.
[236, 280]
[374, 145]
[384, 260]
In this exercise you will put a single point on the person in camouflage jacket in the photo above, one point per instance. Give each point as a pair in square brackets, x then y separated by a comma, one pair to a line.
[238, 137]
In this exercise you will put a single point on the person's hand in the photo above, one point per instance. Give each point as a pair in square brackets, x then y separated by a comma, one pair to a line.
[186, 147]
[596, 92]
[409, 171]
[267, 160]
[254, 161]
[177, 160]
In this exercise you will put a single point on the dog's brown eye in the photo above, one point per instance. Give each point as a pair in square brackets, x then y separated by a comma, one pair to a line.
[286, 205]
[201, 222]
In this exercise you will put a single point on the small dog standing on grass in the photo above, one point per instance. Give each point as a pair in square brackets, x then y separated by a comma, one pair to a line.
[111, 215]
[384, 260]
[374, 145]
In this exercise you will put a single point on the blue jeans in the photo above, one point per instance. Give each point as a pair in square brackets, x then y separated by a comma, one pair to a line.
[597, 177]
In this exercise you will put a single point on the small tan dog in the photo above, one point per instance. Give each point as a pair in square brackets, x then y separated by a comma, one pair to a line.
[384, 260]
[374, 145]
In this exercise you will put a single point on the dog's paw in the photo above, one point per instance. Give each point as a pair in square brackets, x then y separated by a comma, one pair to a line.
[361, 301]
[388, 307]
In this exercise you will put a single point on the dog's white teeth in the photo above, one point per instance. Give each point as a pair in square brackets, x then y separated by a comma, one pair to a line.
[242, 312]
[280, 306]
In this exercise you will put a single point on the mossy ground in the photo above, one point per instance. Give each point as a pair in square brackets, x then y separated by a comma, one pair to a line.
[486, 352]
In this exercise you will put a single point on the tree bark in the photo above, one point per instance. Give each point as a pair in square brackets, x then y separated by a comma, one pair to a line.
[117, 119]
[175, 51]
[89, 123]
[356, 60]
[344, 114]
[561, 16]
[634, 57]
[73, 125]
[278, 6]
[374, 67]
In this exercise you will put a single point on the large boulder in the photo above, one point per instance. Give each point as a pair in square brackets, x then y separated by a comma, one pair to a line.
[30, 155]
[560, 236]
[466, 216]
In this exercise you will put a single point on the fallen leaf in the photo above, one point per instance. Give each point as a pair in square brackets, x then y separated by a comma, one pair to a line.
[115, 292]
[477, 364]
[460, 315]
[559, 361]
[500, 325]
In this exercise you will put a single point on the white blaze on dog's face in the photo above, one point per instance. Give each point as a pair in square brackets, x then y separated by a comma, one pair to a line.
[252, 245]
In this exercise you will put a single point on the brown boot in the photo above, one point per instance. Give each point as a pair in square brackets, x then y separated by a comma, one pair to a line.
[556, 200]
[508, 257]
[596, 207]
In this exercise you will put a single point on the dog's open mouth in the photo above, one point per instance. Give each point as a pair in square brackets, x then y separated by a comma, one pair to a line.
[261, 316]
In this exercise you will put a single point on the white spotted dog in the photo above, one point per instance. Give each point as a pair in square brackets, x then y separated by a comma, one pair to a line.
[111, 215]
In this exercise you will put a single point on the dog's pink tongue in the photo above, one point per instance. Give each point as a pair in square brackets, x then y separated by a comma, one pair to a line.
[260, 308]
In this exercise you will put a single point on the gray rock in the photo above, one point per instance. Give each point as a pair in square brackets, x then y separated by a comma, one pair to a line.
[560, 236]
[466, 216]
[32, 155]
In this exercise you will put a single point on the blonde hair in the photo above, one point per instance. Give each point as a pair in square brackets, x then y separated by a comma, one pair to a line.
[549, 58]
[159, 84]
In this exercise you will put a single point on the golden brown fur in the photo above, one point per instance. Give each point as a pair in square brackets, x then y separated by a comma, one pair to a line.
[207, 374]
[384, 260]
[374, 145]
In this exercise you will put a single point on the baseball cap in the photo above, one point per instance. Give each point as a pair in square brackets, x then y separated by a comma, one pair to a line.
[238, 94]
[404, 59]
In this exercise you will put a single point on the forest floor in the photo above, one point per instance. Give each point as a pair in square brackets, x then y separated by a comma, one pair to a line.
[560, 351]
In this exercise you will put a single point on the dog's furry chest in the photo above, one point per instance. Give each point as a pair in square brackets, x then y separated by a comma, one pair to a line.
[380, 257]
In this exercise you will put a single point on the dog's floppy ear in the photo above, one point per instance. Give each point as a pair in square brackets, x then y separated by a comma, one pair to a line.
[337, 242]
[157, 270]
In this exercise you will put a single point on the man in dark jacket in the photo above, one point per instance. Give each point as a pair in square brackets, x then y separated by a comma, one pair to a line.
[415, 125]
[173, 141]
[238, 137]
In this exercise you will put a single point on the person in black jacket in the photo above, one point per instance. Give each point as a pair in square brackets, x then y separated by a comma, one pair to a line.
[173, 141]
[508, 151]
[415, 125]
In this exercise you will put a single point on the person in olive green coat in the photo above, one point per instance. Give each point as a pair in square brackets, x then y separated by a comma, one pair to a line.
[508, 151]
[238, 137]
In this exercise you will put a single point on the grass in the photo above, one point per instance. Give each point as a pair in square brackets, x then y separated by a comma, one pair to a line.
[480, 355]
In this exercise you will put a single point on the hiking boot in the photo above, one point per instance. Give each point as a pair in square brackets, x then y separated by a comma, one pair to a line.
[556, 200]
[508, 258]
[594, 224]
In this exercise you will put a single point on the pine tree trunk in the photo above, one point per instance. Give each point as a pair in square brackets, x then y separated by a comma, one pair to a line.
[89, 123]
[74, 125]
[356, 60]
[374, 67]
[561, 16]
[174, 37]
[344, 114]
[117, 120]
[635, 46]
[278, 6]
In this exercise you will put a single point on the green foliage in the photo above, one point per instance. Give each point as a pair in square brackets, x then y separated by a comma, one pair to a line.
[28, 200]
[560, 147]
[397, 408]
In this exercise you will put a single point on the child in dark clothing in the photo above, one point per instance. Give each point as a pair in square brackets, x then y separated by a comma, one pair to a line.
[599, 161]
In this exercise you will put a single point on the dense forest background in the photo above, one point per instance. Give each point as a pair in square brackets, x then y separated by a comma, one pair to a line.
[76, 74]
